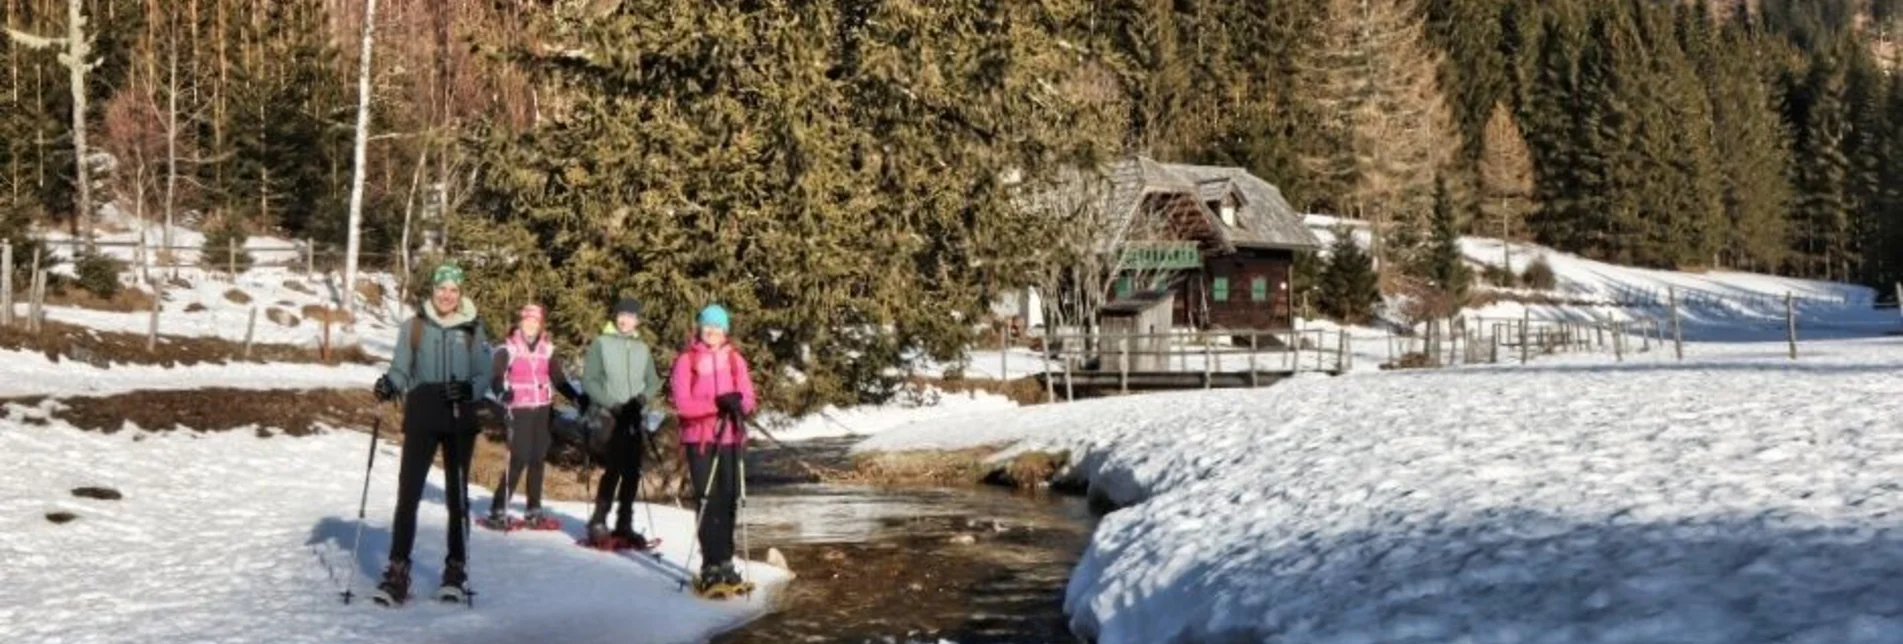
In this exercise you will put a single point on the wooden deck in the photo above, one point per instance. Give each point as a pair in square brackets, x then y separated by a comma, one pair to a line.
[1111, 363]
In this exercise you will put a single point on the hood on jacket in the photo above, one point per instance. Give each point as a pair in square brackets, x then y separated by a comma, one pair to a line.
[464, 314]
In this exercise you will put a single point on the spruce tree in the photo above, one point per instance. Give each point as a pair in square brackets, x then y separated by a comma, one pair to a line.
[1475, 73]
[1349, 285]
[1506, 177]
[1445, 266]
[1822, 215]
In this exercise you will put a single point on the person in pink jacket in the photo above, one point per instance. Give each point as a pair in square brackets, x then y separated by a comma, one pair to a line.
[713, 395]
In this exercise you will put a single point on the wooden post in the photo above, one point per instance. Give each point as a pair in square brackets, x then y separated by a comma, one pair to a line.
[1494, 344]
[1645, 336]
[1618, 342]
[325, 353]
[38, 307]
[1526, 319]
[1070, 392]
[310, 257]
[1004, 353]
[1252, 370]
[1341, 351]
[1599, 332]
[1790, 321]
[6, 284]
[1678, 335]
[1899, 299]
[1050, 379]
[249, 328]
[1209, 364]
[1123, 363]
[152, 326]
[231, 258]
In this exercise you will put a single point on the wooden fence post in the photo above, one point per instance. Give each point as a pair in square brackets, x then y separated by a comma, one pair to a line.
[6, 283]
[1050, 379]
[1252, 370]
[1790, 321]
[310, 257]
[1209, 364]
[38, 307]
[1493, 344]
[231, 258]
[1618, 341]
[1004, 353]
[1070, 392]
[1123, 363]
[325, 353]
[1341, 351]
[1899, 299]
[1678, 335]
[1526, 319]
[250, 328]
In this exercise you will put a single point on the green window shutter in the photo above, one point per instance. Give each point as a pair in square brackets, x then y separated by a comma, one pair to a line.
[1220, 291]
[1259, 289]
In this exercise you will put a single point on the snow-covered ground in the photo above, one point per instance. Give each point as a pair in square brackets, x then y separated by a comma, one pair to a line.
[914, 405]
[229, 537]
[24, 373]
[1735, 497]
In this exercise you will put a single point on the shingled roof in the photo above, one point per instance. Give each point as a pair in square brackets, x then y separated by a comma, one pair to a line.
[1264, 218]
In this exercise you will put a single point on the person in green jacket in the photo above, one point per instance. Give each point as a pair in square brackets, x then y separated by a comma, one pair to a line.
[441, 354]
[621, 382]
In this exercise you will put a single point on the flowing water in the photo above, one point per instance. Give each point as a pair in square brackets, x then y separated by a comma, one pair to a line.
[911, 564]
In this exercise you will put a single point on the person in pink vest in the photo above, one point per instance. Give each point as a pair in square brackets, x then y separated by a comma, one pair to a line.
[713, 395]
[526, 376]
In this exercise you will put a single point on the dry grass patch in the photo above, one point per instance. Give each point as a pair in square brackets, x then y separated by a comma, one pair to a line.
[281, 317]
[236, 296]
[323, 314]
[370, 291]
[61, 341]
[299, 286]
[127, 300]
[195, 307]
[933, 467]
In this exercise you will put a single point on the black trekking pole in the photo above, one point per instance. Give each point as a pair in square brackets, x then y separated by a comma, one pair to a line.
[740, 513]
[700, 508]
[376, 427]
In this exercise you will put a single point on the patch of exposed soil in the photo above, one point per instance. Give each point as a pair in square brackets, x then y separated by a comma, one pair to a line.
[100, 348]
[98, 493]
[281, 316]
[236, 296]
[299, 286]
[194, 307]
[60, 518]
[292, 411]
[321, 313]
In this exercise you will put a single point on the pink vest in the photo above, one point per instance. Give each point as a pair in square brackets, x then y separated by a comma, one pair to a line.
[527, 373]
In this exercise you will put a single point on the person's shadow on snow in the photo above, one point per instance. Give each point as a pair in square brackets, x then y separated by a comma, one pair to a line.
[373, 552]
[577, 529]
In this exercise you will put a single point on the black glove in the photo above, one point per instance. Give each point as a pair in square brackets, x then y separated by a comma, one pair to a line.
[507, 396]
[457, 392]
[582, 401]
[729, 403]
[633, 407]
[384, 390]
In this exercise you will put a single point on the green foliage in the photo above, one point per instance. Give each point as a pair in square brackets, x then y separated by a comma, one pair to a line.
[221, 238]
[836, 185]
[98, 273]
[1539, 275]
[1444, 265]
[1349, 286]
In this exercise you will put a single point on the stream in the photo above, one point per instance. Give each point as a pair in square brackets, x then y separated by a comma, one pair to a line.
[908, 564]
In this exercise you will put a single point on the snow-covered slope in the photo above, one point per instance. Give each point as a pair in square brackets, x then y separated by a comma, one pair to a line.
[1737, 498]
[228, 537]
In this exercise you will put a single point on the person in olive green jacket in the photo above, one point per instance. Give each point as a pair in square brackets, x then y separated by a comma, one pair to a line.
[441, 354]
[621, 382]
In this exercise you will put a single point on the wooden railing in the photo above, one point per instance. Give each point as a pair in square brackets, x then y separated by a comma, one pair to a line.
[1253, 357]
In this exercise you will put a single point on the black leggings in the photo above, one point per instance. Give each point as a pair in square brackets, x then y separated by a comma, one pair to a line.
[621, 474]
[528, 449]
[429, 426]
[721, 462]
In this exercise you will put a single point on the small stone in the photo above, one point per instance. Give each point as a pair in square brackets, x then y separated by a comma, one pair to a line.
[964, 540]
[100, 493]
[61, 517]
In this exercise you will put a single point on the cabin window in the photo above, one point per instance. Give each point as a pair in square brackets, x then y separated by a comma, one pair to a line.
[1259, 289]
[1219, 291]
[1229, 215]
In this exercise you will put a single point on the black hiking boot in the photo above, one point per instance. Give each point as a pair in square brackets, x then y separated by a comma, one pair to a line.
[394, 590]
[455, 586]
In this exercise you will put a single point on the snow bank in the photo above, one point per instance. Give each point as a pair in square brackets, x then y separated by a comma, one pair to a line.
[913, 406]
[227, 537]
[1739, 498]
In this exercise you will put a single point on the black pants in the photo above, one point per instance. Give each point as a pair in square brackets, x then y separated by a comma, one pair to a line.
[430, 425]
[528, 450]
[718, 508]
[621, 473]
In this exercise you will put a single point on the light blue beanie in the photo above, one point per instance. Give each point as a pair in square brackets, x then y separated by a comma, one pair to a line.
[715, 316]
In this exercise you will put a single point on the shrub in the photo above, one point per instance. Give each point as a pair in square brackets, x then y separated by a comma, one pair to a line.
[1499, 276]
[1539, 275]
[98, 274]
[219, 239]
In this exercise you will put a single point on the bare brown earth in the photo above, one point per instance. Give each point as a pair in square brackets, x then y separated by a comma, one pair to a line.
[61, 341]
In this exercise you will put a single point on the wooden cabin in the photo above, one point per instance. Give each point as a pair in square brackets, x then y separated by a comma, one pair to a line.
[1221, 239]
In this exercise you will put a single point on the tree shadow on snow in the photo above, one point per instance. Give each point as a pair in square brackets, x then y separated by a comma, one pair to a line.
[1779, 363]
[1513, 575]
